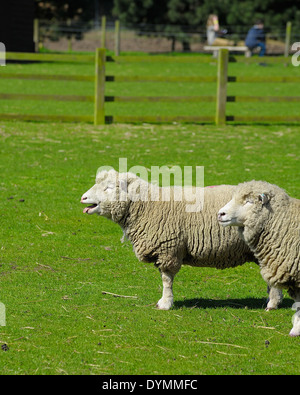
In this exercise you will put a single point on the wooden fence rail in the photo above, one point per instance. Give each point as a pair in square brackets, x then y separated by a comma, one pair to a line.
[41, 57]
[48, 77]
[100, 79]
[222, 98]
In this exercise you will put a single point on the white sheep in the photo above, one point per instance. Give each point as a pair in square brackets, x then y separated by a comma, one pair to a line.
[163, 232]
[269, 222]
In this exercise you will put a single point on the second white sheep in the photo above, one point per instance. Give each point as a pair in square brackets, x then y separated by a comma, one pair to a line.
[268, 220]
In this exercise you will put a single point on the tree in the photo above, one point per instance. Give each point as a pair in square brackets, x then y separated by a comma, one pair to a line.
[150, 16]
[133, 12]
[72, 12]
[64, 10]
[176, 18]
[72, 9]
[187, 17]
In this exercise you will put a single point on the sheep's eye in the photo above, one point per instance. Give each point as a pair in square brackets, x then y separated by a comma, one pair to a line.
[108, 187]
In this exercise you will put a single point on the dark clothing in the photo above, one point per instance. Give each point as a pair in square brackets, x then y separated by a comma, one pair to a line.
[262, 47]
[254, 37]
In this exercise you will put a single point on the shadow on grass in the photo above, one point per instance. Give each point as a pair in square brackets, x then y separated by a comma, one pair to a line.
[250, 303]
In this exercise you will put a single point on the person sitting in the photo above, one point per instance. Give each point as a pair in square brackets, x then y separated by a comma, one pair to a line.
[256, 38]
[212, 28]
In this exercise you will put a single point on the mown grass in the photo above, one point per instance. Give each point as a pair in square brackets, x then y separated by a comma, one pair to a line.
[55, 262]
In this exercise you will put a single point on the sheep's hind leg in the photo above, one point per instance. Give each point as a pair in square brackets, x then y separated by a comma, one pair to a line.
[296, 318]
[166, 302]
[275, 298]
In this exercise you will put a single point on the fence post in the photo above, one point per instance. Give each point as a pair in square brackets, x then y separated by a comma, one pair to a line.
[117, 38]
[36, 38]
[99, 113]
[222, 87]
[69, 36]
[103, 31]
[288, 39]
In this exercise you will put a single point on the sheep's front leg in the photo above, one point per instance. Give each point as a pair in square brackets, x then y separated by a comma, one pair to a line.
[296, 318]
[275, 298]
[166, 302]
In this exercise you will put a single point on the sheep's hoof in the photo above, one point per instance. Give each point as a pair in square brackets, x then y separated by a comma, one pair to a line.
[164, 304]
[160, 308]
[292, 334]
[295, 331]
[270, 308]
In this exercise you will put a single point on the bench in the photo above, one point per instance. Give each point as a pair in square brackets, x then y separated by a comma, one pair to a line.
[214, 49]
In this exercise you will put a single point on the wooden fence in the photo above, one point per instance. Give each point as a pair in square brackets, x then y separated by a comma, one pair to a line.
[220, 117]
[222, 98]
[39, 57]
[100, 79]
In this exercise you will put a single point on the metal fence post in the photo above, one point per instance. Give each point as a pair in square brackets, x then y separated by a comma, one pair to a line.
[99, 113]
[222, 87]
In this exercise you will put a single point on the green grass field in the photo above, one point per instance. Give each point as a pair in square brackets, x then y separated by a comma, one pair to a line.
[55, 262]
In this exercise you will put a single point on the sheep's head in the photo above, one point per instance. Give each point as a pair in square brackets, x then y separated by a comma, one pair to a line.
[109, 196]
[250, 202]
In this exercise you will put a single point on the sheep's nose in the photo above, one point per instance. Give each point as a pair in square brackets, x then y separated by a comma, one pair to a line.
[82, 199]
[220, 215]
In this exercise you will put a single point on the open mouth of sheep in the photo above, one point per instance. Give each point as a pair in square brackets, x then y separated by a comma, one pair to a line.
[87, 209]
[224, 222]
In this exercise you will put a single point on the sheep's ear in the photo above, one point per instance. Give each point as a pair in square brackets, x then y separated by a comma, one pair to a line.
[263, 198]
